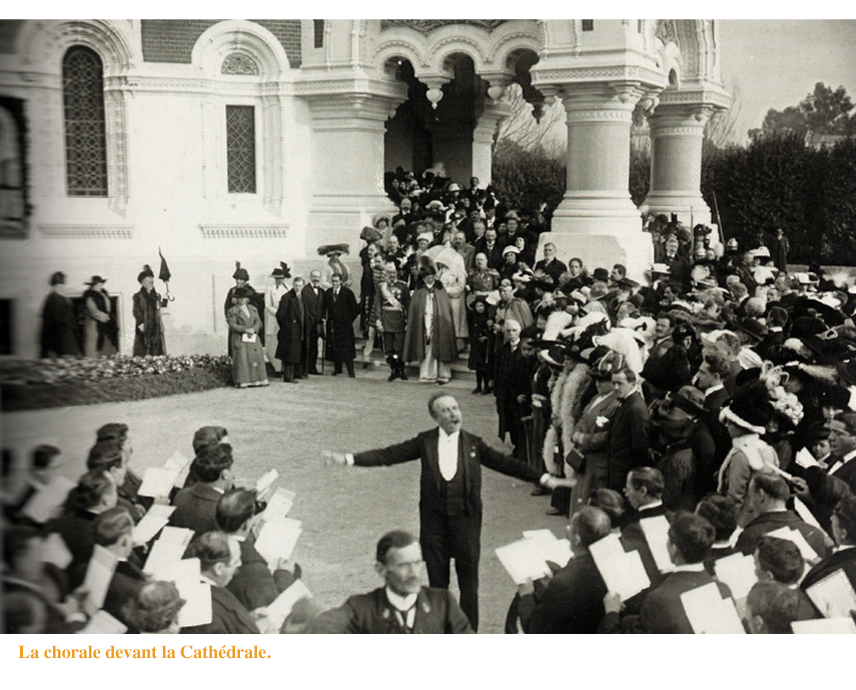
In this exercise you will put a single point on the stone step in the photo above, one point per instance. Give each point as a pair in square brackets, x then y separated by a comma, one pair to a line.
[377, 362]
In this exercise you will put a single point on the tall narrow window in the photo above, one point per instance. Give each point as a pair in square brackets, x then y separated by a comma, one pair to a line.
[588, 24]
[85, 132]
[319, 32]
[241, 148]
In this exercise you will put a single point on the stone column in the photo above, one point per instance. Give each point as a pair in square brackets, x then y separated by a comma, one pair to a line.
[495, 111]
[677, 133]
[347, 164]
[596, 219]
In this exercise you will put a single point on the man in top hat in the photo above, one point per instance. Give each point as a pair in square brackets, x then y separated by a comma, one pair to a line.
[403, 605]
[273, 296]
[58, 322]
[242, 280]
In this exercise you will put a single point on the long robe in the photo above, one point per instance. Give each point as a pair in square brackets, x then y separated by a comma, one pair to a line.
[149, 341]
[443, 331]
[290, 316]
[248, 360]
[58, 337]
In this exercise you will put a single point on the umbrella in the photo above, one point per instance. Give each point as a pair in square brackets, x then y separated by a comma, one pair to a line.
[165, 275]
[441, 254]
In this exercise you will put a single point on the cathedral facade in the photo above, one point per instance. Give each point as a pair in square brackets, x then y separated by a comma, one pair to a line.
[211, 142]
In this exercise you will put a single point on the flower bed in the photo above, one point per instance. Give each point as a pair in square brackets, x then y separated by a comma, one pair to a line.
[37, 384]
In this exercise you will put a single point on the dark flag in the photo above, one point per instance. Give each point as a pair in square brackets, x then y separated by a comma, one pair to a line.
[164, 274]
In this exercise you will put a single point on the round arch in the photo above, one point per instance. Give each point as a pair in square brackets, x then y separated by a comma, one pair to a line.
[43, 43]
[242, 36]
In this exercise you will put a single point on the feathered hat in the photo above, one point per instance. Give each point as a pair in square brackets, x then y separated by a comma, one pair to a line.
[750, 408]
[145, 273]
[282, 271]
[240, 273]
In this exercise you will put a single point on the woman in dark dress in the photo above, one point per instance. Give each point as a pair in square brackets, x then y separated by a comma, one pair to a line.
[148, 333]
[101, 332]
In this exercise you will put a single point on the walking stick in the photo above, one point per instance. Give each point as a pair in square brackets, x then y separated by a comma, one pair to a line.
[323, 345]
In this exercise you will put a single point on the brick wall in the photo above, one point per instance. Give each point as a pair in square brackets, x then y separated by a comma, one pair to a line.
[172, 40]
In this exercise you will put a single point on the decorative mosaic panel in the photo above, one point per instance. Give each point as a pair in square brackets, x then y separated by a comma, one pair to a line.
[239, 63]
[427, 25]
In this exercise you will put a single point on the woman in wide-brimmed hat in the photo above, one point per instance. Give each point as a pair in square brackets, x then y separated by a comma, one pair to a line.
[334, 252]
[100, 330]
[248, 360]
[273, 295]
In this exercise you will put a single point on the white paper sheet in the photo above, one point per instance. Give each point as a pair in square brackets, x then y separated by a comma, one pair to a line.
[656, 531]
[825, 626]
[99, 572]
[248, 337]
[102, 623]
[622, 572]
[833, 596]
[152, 523]
[278, 505]
[265, 481]
[162, 557]
[709, 613]
[804, 458]
[158, 481]
[738, 572]
[793, 535]
[55, 551]
[806, 515]
[280, 607]
[176, 535]
[181, 461]
[277, 539]
[197, 610]
[522, 560]
[545, 534]
[43, 503]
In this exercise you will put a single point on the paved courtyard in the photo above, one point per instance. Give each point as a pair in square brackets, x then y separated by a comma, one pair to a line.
[343, 510]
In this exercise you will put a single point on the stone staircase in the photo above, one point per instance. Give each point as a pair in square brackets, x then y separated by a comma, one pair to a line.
[377, 362]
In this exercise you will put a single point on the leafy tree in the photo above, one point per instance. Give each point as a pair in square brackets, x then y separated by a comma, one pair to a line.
[823, 111]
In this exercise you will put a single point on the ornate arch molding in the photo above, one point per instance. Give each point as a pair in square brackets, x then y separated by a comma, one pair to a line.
[697, 43]
[43, 44]
[254, 41]
[237, 36]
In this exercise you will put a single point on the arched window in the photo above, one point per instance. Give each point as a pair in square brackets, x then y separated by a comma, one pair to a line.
[85, 131]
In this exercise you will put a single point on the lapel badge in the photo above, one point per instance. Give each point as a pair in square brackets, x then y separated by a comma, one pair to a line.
[426, 607]
[386, 614]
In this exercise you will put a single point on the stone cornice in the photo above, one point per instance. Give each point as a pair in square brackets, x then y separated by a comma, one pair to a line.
[78, 232]
[235, 231]
[564, 76]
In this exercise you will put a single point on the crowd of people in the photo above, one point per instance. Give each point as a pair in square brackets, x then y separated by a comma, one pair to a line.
[718, 393]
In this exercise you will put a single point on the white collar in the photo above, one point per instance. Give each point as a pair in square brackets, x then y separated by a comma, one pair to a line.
[689, 568]
[715, 387]
[650, 506]
[849, 456]
[399, 602]
[204, 578]
[448, 438]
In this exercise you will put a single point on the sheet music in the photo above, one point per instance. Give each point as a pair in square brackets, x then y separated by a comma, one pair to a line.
[825, 626]
[265, 481]
[793, 535]
[539, 534]
[56, 551]
[152, 523]
[99, 573]
[248, 337]
[162, 557]
[41, 505]
[197, 610]
[522, 560]
[278, 505]
[656, 531]
[277, 539]
[738, 572]
[806, 515]
[281, 607]
[709, 613]
[183, 462]
[176, 535]
[622, 572]
[833, 596]
[804, 458]
[102, 623]
[158, 481]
